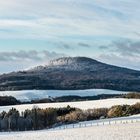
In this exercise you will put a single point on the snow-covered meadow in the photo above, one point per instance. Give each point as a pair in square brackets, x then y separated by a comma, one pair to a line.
[100, 122]
[104, 103]
[101, 132]
[106, 132]
[28, 95]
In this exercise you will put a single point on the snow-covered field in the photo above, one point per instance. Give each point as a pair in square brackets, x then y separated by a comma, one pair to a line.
[27, 95]
[82, 105]
[100, 122]
[106, 132]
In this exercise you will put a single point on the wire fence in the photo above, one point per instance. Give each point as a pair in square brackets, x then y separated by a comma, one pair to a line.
[98, 123]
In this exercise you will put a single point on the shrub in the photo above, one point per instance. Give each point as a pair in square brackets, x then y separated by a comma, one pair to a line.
[74, 116]
[118, 111]
[96, 113]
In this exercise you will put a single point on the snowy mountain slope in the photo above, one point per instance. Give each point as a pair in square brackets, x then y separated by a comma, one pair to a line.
[73, 73]
[72, 63]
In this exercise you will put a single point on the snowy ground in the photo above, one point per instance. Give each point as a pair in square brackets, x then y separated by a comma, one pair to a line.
[106, 132]
[82, 105]
[101, 122]
[27, 95]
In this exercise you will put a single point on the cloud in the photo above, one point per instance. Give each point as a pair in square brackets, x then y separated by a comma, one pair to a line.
[13, 61]
[103, 47]
[51, 55]
[118, 60]
[64, 18]
[84, 45]
[20, 55]
[32, 55]
[122, 52]
[72, 46]
[127, 47]
[63, 45]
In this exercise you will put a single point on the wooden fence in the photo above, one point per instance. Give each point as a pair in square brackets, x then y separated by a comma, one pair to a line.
[99, 123]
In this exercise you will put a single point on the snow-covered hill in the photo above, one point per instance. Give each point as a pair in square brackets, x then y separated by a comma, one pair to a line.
[72, 73]
[71, 63]
[82, 105]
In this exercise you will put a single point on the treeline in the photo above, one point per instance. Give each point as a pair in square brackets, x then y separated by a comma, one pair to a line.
[72, 98]
[100, 113]
[134, 95]
[37, 119]
[9, 100]
[123, 110]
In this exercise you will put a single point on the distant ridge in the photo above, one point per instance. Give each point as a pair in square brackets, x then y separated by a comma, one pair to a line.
[73, 73]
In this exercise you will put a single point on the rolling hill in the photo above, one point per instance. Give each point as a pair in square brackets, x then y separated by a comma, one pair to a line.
[72, 73]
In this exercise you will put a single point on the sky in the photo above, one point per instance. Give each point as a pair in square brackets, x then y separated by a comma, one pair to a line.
[33, 32]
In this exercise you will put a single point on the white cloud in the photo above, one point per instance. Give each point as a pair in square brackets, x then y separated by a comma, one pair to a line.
[13, 61]
[44, 18]
[124, 53]
[118, 60]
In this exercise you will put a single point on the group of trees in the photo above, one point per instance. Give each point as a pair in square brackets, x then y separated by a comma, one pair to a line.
[36, 118]
[83, 115]
[133, 95]
[100, 113]
[8, 100]
[123, 110]
[29, 120]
